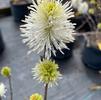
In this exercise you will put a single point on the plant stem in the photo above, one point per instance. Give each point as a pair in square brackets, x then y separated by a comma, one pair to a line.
[0, 98]
[78, 28]
[92, 21]
[83, 23]
[43, 57]
[89, 20]
[10, 86]
[46, 90]
[44, 52]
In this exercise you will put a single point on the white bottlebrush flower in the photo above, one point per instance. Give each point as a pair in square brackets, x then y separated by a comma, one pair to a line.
[76, 3]
[3, 90]
[83, 8]
[48, 26]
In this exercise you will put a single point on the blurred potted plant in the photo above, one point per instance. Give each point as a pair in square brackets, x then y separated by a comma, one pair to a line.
[84, 18]
[91, 55]
[80, 10]
[19, 9]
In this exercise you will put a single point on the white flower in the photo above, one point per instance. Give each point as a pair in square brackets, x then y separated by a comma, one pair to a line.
[83, 8]
[76, 3]
[48, 26]
[3, 90]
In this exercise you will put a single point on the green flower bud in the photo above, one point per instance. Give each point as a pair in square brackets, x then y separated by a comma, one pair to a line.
[36, 96]
[47, 71]
[91, 11]
[93, 1]
[6, 71]
[99, 25]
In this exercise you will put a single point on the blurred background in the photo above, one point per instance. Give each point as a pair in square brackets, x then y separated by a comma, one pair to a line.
[80, 65]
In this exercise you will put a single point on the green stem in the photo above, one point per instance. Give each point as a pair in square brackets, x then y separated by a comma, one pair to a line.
[43, 57]
[83, 23]
[10, 86]
[92, 21]
[46, 91]
[44, 52]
